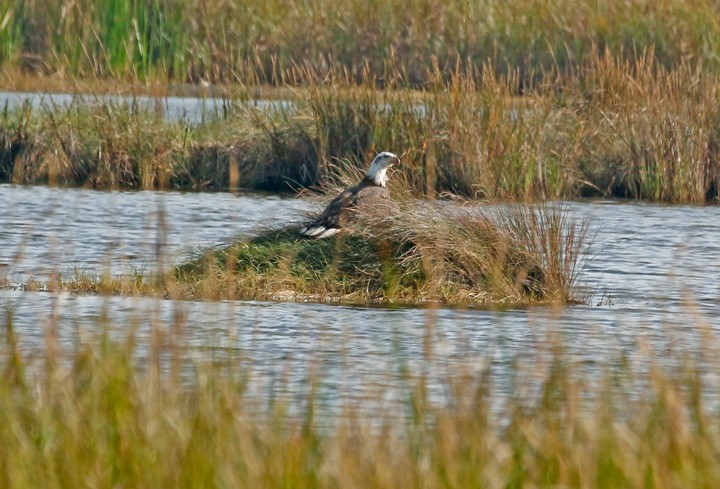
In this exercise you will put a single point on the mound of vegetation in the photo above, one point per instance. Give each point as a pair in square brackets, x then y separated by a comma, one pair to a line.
[447, 254]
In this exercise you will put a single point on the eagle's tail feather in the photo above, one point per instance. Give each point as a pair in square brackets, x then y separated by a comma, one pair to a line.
[319, 232]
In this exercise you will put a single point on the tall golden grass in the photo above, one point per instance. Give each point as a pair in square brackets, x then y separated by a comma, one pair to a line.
[614, 128]
[120, 410]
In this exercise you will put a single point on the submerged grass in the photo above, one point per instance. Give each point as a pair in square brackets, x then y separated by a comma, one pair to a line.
[428, 253]
[117, 409]
[615, 128]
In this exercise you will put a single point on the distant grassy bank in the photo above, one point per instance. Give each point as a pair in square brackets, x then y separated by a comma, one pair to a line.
[619, 129]
[251, 41]
[117, 409]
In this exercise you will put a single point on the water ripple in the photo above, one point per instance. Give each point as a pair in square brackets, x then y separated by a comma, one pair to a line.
[654, 281]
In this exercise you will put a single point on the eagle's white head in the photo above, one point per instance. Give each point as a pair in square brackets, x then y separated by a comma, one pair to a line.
[379, 166]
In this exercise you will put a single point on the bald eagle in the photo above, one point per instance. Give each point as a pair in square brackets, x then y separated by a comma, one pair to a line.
[367, 196]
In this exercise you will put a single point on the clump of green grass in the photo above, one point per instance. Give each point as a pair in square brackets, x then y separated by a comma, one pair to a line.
[107, 144]
[274, 150]
[103, 144]
[428, 253]
[136, 283]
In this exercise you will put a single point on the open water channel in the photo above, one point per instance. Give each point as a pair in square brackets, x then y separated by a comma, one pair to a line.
[654, 280]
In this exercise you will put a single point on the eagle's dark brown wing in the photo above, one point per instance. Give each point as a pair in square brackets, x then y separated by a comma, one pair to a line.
[345, 208]
[329, 222]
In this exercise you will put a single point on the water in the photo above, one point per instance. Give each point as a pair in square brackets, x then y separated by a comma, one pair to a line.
[654, 280]
[44, 230]
[174, 109]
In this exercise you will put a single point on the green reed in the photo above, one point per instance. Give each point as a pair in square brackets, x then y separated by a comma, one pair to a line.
[226, 41]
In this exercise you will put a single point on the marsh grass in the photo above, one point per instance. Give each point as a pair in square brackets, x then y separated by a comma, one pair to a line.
[429, 253]
[655, 135]
[73, 146]
[615, 128]
[392, 40]
[116, 408]
[136, 283]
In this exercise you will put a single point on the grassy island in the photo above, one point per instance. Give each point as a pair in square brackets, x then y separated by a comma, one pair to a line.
[447, 254]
